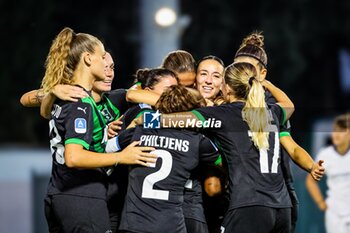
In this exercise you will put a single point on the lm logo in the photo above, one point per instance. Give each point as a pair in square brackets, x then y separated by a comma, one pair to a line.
[151, 120]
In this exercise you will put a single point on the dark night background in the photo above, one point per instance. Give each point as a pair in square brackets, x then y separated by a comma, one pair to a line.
[302, 39]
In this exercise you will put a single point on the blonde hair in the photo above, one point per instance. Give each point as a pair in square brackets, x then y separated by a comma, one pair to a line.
[64, 56]
[178, 98]
[240, 77]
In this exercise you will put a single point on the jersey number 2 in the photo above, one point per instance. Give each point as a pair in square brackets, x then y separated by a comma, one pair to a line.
[161, 174]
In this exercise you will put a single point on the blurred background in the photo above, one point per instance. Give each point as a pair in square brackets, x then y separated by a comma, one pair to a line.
[307, 42]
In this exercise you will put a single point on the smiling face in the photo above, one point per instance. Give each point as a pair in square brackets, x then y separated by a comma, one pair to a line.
[209, 78]
[106, 84]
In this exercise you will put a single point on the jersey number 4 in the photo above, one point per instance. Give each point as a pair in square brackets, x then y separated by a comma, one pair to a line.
[147, 187]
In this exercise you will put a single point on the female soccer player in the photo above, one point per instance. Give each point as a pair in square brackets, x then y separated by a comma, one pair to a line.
[154, 199]
[181, 63]
[337, 164]
[76, 197]
[257, 190]
[152, 81]
[111, 104]
[247, 133]
[210, 79]
[252, 51]
[209, 82]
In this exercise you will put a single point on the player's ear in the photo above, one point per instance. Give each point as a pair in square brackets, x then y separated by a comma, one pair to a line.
[227, 89]
[263, 73]
[87, 58]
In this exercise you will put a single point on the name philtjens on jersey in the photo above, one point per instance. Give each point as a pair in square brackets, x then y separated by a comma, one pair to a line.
[164, 142]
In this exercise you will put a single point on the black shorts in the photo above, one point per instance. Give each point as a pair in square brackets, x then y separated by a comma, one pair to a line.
[67, 213]
[195, 226]
[295, 208]
[257, 219]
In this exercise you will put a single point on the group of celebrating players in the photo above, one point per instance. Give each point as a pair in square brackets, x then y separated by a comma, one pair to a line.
[110, 174]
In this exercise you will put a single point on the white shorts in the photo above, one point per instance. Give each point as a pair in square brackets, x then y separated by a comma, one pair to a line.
[336, 223]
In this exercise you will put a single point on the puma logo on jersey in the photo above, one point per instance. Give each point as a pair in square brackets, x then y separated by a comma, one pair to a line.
[82, 109]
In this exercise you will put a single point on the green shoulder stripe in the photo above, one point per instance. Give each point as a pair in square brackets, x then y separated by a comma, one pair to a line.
[198, 115]
[283, 134]
[219, 160]
[114, 108]
[77, 141]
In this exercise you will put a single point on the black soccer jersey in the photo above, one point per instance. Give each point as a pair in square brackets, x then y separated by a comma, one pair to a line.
[134, 112]
[255, 176]
[76, 123]
[285, 165]
[193, 201]
[285, 159]
[155, 194]
[285, 131]
[113, 104]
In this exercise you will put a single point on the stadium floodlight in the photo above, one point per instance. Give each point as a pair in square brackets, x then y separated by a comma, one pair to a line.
[165, 17]
[161, 28]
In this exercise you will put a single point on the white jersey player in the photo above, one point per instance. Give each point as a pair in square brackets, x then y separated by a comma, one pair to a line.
[337, 168]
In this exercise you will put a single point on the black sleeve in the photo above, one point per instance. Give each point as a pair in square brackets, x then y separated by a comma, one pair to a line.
[134, 112]
[285, 164]
[269, 99]
[124, 138]
[118, 99]
[279, 112]
[78, 122]
[207, 112]
[285, 129]
[208, 152]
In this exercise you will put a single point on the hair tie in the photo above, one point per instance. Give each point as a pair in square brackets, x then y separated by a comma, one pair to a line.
[74, 35]
[251, 79]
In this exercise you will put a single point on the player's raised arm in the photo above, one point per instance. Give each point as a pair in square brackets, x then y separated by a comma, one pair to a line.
[302, 158]
[142, 96]
[281, 98]
[32, 98]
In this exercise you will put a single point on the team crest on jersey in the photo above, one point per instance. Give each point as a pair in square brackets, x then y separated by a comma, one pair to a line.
[151, 120]
[80, 125]
[107, 115]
